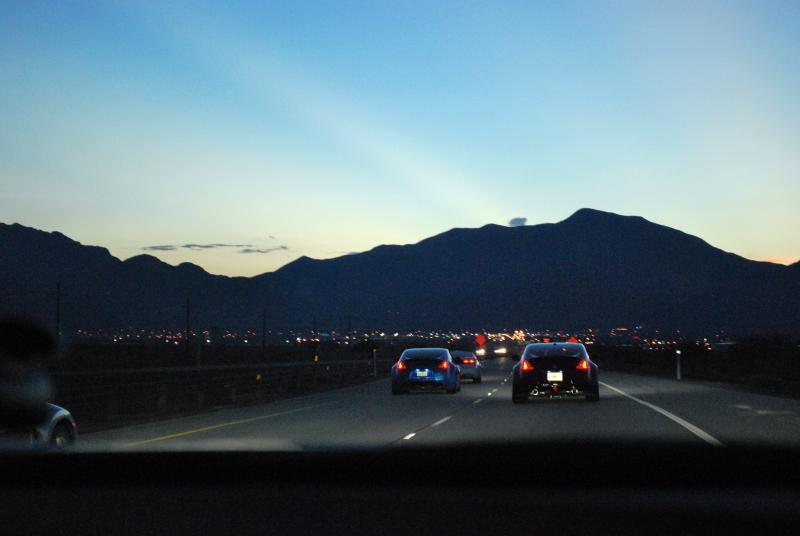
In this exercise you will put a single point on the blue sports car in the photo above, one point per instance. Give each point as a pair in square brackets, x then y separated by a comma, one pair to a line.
[425, 369]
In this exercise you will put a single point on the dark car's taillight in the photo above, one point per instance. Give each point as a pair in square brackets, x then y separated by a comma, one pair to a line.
[583, 365]
[401, 366]
[443, 364]
[525, 366]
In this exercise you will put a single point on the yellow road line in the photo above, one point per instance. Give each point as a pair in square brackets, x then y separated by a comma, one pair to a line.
[221, 425]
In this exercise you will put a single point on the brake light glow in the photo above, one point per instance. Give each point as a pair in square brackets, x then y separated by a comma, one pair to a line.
[401, 366]
[525, 366]
[469, 361]
[583, 365]
[444, 364]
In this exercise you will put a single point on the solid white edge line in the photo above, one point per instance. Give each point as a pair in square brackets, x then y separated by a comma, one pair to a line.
[702, 434]
[478, 401]
[442, 421]
[409, 436]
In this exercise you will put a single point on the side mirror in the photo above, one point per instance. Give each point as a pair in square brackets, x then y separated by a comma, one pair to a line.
[25, 389]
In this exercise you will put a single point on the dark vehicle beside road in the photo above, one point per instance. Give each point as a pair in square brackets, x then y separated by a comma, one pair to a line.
[58, 430]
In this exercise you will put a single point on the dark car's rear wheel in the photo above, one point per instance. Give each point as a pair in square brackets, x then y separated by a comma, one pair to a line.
[519, 397]
[593, 393]
[398, 390]
[476, 380]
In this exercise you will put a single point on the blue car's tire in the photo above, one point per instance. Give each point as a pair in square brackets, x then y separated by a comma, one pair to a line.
[454, 390]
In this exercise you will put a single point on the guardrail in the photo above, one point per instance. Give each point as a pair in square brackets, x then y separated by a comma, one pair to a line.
[106, 398]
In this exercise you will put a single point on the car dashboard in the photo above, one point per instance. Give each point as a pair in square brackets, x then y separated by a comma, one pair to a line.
[522, 488]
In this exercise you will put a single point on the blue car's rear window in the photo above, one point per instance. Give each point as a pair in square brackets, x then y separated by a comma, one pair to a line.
[424, 354]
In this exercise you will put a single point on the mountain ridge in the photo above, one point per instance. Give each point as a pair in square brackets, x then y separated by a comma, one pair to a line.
[593, 268]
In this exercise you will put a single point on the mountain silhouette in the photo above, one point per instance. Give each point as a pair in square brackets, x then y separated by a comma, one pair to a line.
[594, 269]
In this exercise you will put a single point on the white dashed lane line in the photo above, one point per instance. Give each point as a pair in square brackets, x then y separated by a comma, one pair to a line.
[442, 421]
[445, 419]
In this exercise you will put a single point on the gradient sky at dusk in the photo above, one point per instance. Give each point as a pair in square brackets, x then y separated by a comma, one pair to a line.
[323, 128]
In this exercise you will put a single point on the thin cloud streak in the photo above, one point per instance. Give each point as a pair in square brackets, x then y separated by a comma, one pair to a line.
[264, 250]
[194, 247]
[214, 246]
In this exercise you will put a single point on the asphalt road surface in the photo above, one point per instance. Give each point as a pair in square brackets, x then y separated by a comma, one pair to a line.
[631, 407]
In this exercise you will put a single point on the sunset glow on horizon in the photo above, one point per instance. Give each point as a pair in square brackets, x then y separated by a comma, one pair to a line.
[262, 133]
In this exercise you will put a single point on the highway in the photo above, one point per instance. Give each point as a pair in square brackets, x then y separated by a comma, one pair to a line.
[631, 407]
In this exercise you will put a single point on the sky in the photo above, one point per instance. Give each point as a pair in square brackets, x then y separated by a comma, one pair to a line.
[242, 135]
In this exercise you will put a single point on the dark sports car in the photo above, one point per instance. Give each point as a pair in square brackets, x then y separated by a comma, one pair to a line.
[555, 369]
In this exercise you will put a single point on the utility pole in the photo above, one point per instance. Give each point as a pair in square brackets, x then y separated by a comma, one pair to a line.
[314, 338]
[677, 365]
[188, 322]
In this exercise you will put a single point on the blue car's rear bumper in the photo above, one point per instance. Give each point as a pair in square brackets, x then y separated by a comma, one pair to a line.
[431, 381]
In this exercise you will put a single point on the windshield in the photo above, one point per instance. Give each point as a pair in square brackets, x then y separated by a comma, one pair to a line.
[223, 223]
